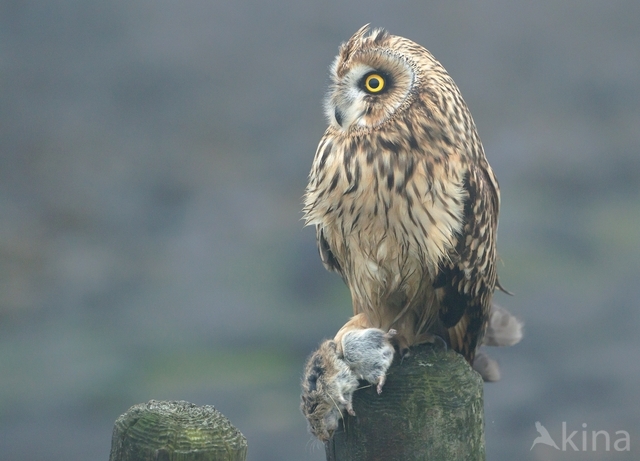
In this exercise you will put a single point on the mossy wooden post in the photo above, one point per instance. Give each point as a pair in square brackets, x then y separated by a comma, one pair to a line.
[431, 408]
[176, 431]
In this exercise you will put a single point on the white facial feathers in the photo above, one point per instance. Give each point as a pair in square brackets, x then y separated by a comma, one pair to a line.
[348, 103]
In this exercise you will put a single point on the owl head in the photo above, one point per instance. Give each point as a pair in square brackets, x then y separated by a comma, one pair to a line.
[374, 77]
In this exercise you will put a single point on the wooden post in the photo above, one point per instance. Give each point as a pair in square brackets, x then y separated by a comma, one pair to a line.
[176, 431]
[431, 408]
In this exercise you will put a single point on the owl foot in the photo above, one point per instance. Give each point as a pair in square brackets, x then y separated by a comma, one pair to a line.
[440, 340]
[331, 376]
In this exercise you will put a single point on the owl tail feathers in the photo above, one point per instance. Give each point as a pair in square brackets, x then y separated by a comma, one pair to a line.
[503, 330]
[487, 367]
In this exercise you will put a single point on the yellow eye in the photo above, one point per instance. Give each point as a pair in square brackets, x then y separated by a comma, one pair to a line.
[374, 83]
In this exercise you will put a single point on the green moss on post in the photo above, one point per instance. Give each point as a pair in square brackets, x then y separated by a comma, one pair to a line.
[176, 431]
[431, 408]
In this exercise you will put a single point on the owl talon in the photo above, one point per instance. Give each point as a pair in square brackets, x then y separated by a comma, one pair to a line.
[440, 339]
[404, 352]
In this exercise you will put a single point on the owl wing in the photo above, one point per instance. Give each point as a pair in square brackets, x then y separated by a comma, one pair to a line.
[326, 255]
[465, 285]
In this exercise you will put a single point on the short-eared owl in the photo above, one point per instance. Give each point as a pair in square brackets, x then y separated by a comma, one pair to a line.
[404, 202]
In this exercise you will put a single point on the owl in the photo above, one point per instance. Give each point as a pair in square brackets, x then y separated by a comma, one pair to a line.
[404, 202]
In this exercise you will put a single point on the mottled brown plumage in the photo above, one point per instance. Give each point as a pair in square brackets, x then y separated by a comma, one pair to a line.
[406, 210]
[403, 199]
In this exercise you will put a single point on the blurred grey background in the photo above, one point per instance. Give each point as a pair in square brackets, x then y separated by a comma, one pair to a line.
[153, 155]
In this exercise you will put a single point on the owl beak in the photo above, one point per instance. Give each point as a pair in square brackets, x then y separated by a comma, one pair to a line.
[339, 116]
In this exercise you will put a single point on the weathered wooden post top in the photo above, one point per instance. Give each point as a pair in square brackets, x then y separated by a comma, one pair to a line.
[176, 431]
[431, 408]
